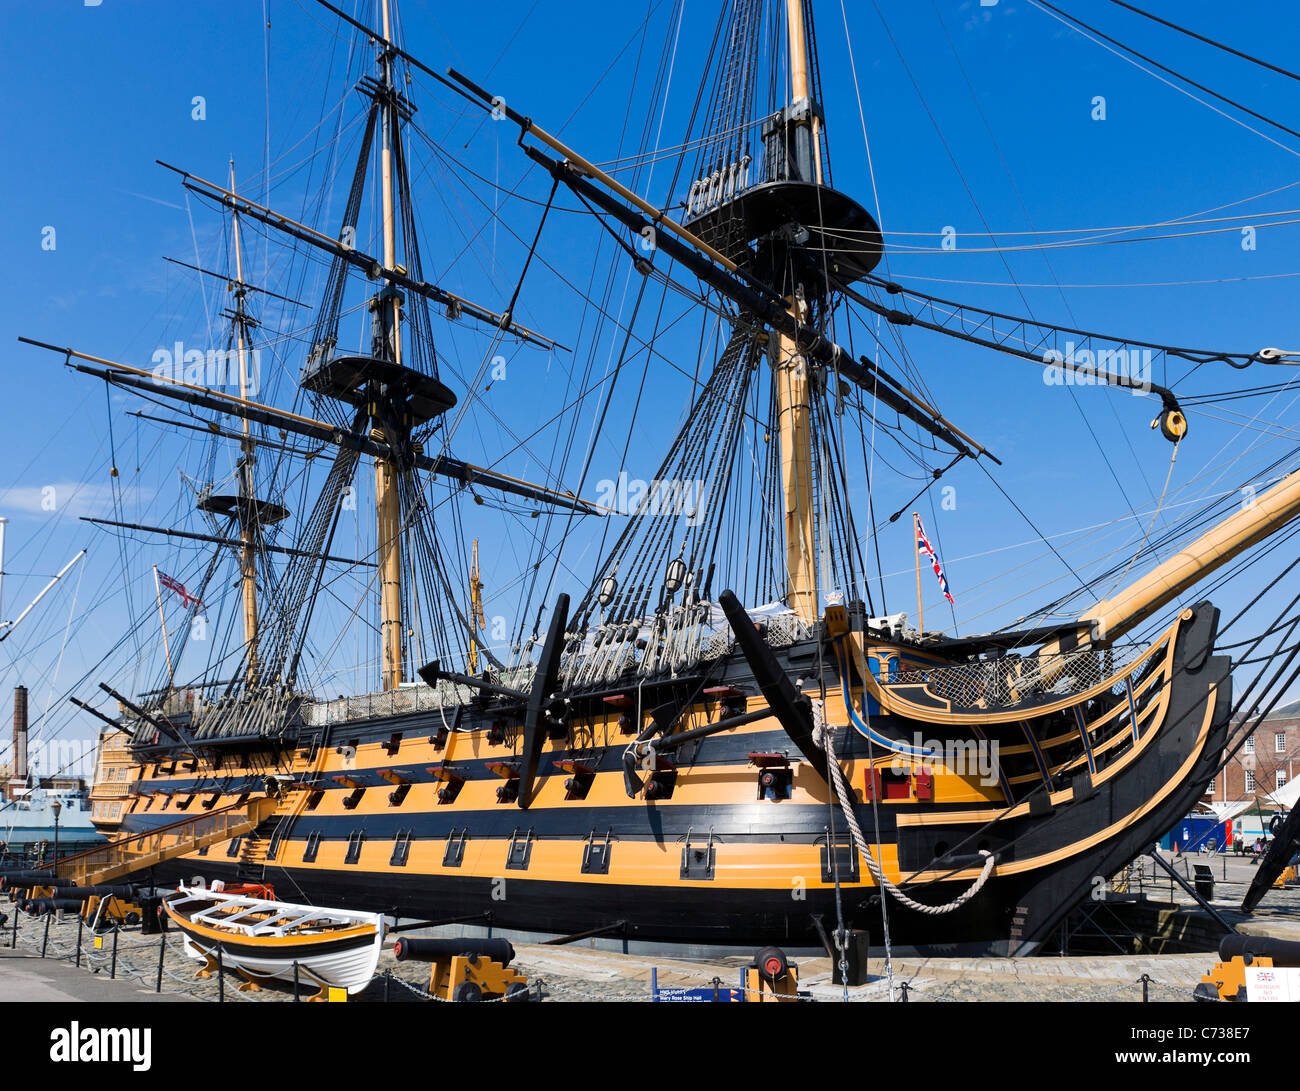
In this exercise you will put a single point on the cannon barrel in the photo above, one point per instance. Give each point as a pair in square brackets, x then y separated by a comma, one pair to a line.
[29, 877]
[1283, 952]
[428, 950]
[51, 905]
[125, 891]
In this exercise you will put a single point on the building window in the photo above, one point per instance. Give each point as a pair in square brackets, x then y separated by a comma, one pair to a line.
[1250, 782]
[1279, 780]
[1250, 745]
[1210, 786]
[1279, 742]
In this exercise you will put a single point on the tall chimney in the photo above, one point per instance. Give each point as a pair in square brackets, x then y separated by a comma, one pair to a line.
[20, 734]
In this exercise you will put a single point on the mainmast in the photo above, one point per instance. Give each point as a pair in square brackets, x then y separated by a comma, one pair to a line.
[387, 310]
[791, 368]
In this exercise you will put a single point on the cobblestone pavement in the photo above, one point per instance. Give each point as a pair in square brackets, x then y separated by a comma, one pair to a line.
[580, 973]
[576, 974]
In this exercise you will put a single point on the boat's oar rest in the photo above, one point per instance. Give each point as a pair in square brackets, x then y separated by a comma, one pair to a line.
[466, 968]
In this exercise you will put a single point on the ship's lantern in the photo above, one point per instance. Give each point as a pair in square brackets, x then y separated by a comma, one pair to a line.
[676, 575]
[608, 589]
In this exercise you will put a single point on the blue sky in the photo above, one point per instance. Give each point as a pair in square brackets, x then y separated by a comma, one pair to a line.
[94, 94]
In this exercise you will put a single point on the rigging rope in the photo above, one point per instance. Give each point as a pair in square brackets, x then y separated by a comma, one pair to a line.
[824, 737]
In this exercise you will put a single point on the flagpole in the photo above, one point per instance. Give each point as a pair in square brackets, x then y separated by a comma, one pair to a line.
[916, 544]
[157, 586]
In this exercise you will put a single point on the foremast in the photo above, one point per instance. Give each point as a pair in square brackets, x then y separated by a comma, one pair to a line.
[248, 525]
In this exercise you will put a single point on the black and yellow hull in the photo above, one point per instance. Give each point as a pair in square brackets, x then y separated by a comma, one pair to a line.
[400, 815]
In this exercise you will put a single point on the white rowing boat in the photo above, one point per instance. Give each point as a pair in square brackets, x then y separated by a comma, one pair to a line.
[263, 938]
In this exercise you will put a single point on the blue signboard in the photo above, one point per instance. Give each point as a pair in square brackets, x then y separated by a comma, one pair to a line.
[706, 995]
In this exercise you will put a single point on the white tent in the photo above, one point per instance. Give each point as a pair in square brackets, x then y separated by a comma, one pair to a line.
[1283, 800]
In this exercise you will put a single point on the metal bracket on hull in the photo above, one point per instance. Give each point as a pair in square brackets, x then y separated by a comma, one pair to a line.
[520, 852]
[454, 855]
[839, 857]
[401, 847]
[697, 863]
[595, 854]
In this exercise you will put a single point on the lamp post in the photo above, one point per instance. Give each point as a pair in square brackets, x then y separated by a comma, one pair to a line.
[56, 807]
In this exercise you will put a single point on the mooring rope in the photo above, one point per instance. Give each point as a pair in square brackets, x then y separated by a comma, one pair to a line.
[824, 738]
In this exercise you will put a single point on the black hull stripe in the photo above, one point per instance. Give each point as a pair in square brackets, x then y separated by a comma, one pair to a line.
[769, 821]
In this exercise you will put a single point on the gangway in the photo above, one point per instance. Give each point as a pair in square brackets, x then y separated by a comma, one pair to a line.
[138, 851]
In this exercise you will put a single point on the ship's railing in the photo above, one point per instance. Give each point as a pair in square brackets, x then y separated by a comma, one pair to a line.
[672, 644]
[444, 697]
[685, 636]
[1014, 679]
[137, 851]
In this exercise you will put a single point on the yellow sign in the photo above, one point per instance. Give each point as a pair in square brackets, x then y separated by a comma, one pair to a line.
[99, 943]
[337, 995]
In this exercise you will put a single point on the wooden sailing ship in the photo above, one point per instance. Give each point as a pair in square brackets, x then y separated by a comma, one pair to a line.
[661, 762]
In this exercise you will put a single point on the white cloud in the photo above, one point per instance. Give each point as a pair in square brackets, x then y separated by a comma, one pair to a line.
[69, 498]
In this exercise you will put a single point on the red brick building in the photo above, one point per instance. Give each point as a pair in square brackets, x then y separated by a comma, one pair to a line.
[1269, 760]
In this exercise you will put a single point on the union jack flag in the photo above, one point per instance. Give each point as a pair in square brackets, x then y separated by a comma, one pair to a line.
[923, 544]
[175, 585]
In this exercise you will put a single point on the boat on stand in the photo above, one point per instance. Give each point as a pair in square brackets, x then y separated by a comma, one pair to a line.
[263, 939]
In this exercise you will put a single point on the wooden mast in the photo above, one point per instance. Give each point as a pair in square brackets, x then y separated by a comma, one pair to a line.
[247, 514]
[387, 498]
[916, 546]
[1113, 617]
[476, 619]
[792, 389]
[162, 620]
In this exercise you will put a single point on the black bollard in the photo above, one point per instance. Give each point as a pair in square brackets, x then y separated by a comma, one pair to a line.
[162, 953]
[14, 942]
[717, 986]
[80, 925]
[45, 942]
[295, 982]
[1146, 980]
[112, 973]
[221, 977]
[388, 981]
[903, 998]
